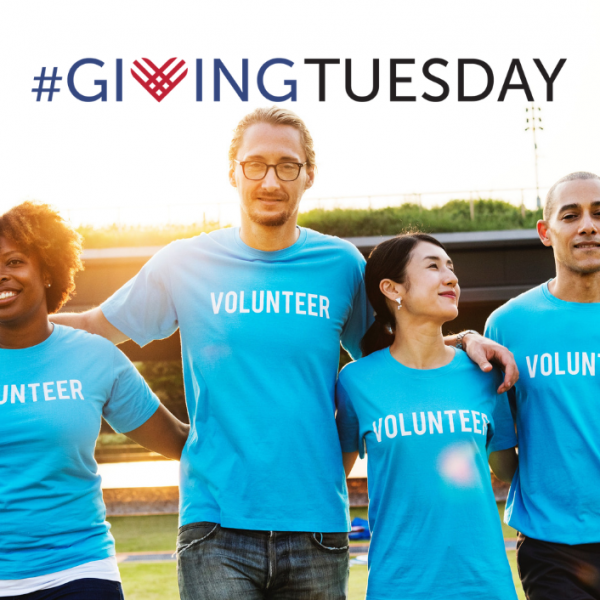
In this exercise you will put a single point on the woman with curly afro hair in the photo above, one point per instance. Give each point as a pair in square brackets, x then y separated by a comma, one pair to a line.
[56, 384]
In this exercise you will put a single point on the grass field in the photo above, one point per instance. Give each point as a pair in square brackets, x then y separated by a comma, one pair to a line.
[158, 581]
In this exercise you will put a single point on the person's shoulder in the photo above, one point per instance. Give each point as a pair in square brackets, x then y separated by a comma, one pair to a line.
[79, 340]
[179, 249]
[345, 249]
[91, 349]
[200, 240]
[522, 304]
[468, 368]
[359, 369]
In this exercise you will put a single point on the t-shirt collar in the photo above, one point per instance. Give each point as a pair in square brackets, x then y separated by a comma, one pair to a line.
[270, 255]
[38, 348]
[587, 306]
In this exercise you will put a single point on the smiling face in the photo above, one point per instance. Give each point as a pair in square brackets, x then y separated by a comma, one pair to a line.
[22, 285]
[430, 290]
[573, 228]
[270, 201]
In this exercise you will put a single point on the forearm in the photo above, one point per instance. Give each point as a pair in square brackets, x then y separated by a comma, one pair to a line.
[162, 433]
[74, 320]
[349, 459]
[92, 321]
[171, 445]
[504, 464]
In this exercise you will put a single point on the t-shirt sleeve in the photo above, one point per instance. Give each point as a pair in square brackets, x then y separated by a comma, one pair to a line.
[503, 433]
[143, 308]
[347, 422]
[492, 331]
[360, 318]
[131, 402]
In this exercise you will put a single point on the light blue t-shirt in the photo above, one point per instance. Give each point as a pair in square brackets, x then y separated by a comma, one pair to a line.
[260, 334]
[432, 514]
[52, 400]
[555, 494]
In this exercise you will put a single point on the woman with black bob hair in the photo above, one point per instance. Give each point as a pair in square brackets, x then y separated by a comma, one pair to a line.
[428, 418]
[56, 384]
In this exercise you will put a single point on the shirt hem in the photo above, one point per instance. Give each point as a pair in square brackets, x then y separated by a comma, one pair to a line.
[252, 525]
[143, 419]
[570, 541]
[507, 445]
[112, 318]
[53, 570]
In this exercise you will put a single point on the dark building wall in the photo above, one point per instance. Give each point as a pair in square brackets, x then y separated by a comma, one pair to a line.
[492, 267]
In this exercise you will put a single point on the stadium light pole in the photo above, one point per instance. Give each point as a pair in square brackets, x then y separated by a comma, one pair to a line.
[532, 119]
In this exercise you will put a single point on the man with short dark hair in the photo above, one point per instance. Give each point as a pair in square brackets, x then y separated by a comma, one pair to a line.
[261, 311]
[554, 332]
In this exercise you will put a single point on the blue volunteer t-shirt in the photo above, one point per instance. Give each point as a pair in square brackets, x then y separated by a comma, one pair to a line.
[555, 494]
[260, 334]
[52, 400]
[434, 522]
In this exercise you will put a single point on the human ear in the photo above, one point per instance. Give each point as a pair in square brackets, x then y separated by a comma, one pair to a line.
[46, 279]
[543, 230]
[310, 179]
[232, 180]
[390, 289]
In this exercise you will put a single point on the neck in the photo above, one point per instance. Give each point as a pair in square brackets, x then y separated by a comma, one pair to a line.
[575, 287]
[267, 238]
[15, 336]
[420, 344]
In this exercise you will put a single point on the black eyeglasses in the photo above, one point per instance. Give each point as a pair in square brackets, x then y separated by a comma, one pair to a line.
[255, 170]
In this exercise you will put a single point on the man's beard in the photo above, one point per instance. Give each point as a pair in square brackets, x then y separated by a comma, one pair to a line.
[274, 219]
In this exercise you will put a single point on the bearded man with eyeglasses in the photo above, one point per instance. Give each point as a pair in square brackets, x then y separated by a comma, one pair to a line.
[261, 311]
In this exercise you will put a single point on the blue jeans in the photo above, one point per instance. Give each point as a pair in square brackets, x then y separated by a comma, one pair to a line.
[215, 563]
[80, 589]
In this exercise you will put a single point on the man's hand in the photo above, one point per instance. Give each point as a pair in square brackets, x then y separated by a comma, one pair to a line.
[481, 350]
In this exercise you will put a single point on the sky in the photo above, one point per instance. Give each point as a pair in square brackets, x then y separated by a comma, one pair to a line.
[142, 161]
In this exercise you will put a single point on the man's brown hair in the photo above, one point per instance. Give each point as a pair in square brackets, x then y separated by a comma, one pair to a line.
[274, 116]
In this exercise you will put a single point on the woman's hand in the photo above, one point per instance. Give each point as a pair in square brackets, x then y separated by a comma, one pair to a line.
[163, 432]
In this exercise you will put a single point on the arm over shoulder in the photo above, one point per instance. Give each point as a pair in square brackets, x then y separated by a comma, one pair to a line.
[92, 321]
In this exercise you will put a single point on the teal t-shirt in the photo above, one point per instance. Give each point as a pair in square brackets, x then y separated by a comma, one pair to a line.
[52, 400]
[432, 514]
[555, 494]
[260, 335]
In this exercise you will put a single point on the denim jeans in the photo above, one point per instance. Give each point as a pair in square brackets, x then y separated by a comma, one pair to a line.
[80, 589]
[215, 563]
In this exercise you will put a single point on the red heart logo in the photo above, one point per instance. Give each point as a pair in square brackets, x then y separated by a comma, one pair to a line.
[158, 83]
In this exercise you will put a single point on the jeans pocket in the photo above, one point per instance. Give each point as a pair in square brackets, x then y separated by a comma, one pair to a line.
[194, 534]
[331, 542]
